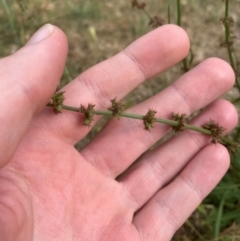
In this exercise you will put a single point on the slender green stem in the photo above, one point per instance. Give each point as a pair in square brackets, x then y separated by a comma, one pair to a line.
[140, 117]
[152, 20]
[67, 73]
[219, 216]
[237, 71]
[191, 58]
[227, 34]
[229, 43]
[169, 12]
[148, 15]
[179, 13]
[226, 8]
[185, 66]
[11, 22]
[179, 23]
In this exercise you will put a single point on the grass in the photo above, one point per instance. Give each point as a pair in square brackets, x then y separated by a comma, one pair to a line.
[97, 30]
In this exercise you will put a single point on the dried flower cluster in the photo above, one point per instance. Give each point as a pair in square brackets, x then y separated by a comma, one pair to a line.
[215, 129]
[156, 21]
[149, 119]
[57, 101]
[116, 108]
[88, 114]
[181, 119]
[136, 4]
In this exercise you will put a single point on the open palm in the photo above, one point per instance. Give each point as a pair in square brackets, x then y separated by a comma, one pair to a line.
[113, 189]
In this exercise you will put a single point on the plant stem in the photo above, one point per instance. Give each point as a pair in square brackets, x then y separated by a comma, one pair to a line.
[148, 15]
[230, 54]
[227, 34]
[169, 12]
[179, 13]
[230, 48]
[219, 215]
[67, 73]
[11, 22]
[140, 117]
[152, 20]
[179, 23]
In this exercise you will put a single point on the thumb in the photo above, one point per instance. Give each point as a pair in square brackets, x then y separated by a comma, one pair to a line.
[28, 79]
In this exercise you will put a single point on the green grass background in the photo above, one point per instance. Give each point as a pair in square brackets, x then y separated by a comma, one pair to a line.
[98, 29]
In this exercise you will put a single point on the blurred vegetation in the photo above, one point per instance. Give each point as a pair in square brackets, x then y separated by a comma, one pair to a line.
[97, 30]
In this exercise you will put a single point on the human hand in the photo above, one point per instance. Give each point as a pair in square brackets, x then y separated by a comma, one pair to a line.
[51, 192]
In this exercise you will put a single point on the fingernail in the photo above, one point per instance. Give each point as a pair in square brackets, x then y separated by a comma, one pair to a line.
[41, 34]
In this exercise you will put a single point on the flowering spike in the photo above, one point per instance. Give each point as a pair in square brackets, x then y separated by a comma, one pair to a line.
[215, 129]
[57, 101]
[116, 108]
[88, 114]
[149, 119]
[181, 119]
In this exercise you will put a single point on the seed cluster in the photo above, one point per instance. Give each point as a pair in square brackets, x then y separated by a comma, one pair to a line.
[88, 114]
[181, 119]
[149, 119]
[57, 101]
[215, 129]
[116, 108]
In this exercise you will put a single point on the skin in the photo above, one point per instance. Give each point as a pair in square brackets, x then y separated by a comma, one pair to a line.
[50, 192]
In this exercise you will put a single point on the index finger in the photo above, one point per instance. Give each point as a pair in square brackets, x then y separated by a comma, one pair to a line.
[117, 76]
[28, 79]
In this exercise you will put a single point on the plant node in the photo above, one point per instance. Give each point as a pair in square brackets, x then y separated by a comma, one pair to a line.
[227, 21]
[88, 114]
[149, 119]
[136, 4]
[156, 21]
[57, 101]
[181, 119]
[226, 44]
[116, 108]
[215, 129]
